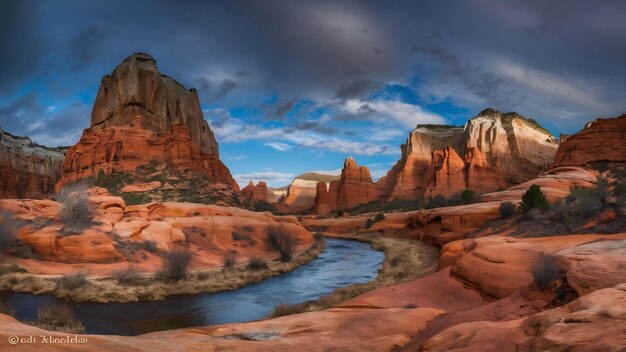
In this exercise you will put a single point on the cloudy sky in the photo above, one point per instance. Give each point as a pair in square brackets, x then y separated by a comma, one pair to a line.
[294, 86]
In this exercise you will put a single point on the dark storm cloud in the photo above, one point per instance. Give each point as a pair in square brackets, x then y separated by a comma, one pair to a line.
[561, 62]
[358, 89]
[21, 50]
[225, 87]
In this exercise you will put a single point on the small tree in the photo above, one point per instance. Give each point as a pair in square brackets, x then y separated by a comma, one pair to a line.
[229, 259]
[282, 240]
[468, 197]
[533, 198]
[507, 209]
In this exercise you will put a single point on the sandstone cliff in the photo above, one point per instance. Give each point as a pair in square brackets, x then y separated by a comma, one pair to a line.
[600, 140]
[303, 189]
[141, 116]
[256, 193]
[27, 170]
[492, 151]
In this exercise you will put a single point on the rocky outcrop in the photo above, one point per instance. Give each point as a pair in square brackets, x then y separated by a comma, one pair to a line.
[27, 170]
[600, 140]
[354, 187]
[499, 150]
[141, 116]
[303, 189]
[255, 193]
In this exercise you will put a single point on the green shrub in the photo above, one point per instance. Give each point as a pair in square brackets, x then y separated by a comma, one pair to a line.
[279, 238]
[136, 198]
[533, 198]
[175, 264]
[369, 223]
[339, 213]
[264, 206]
[468, 197]
[379, 217]
[507, 209]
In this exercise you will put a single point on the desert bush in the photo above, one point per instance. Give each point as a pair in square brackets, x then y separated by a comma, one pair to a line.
[11, 268]
[257, 264]
[507, 209]
[379, 217]
[584, 202]
[289, 309]
[368, 223]
[229, 259]
[533, 198]
[264, 206]
[58, 317]
[175, 264]
[8, 231]
[545, 271]
[128, 276]
[150, 246]
[280, 239]
[72, 281]
[468, 197]
[75, 208]
[339, 213]
[410, 306]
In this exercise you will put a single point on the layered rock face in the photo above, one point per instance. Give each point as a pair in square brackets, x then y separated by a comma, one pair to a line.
[27, 170]
[493, 150]
[141, 116]
[600, 140]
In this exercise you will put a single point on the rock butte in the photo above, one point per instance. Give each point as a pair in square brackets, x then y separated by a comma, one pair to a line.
[141, 116]
[27, 170]
[256, 193]
[498, 150]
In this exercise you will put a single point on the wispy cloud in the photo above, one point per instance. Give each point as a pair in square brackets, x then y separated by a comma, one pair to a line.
[281, 147]
[273, 177]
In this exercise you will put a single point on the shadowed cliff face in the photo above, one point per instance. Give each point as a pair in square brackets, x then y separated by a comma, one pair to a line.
[141, 116]
[27, 170]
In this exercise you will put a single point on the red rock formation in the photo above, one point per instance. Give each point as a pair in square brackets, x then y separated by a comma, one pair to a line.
[27, 170]
[302, 191]
[258, 193]
[500, 150]
[353, 188]
[600, 140]
[141, 116]
[447, 173]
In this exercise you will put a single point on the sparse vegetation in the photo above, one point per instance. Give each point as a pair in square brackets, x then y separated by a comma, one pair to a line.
[229, 259]
[507, 209]
[379, 217]
[339, 213]
[58, 317]
[282, 240]
[135, 198]
[263, 206]
[150, 246]
[545, 271]
[76, 213]
[257, 264]
[468, 197]
[175, 264]
[533, 198]
[72, 282]
[128, 276]
[368, 223]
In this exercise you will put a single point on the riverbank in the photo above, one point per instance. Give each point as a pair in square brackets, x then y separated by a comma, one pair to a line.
[405, 260]
[148, 287]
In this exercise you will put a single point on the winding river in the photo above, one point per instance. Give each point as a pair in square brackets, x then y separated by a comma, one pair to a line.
[342, 263]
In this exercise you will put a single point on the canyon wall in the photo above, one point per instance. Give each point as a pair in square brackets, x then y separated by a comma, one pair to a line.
[27, 170]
